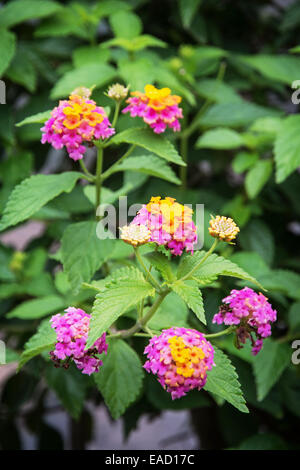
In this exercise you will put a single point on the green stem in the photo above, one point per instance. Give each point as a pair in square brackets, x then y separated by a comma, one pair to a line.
[98, 177]
[221, 333]
[111, 170]
[86, 172]
[201, 262]
[116, 114]
[184, 155]
[147, 272]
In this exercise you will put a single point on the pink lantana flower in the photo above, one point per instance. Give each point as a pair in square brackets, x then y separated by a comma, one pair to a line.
[170, 224]
[72, 330]
[251, 313]
[75, 121]
[180, 357]
[158, 108]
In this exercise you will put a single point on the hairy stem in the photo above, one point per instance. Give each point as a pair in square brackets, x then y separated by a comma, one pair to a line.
[98, 177]
[147, 272]
[221, 333]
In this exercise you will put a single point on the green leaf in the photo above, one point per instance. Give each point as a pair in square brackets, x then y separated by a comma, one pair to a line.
[217, 91]
[150, 165]
[258, 237]
[191, 294]
[43, 340]
[89, 54]
[162, 264]
[221, 138]
[235, 114]
[257, 177]
[287, 148]
[110, 304]
[36, 118]
[222, 380]
[33, 193]
[281, 68]
[294, 317]
[120, 378]
[136, 73]
[188, 9]
[128, 272]
[22, 10]
[21, 69]
[125, 24]
[37, 308]
[243, 161]
[70, 387]
[269, 365]
[83, 252]
[154, 143]
[7, 48]
[214, 265]
[87, 75]
[172, 311]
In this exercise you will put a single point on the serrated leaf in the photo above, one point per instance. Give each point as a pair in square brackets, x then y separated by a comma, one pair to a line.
[150, 165]
[7, 48]
[70, 387]
[37, 308]
[214, 265]
[33, 193]
[110, 304]
[191, 294]
[162, 264]
[220, 138]
[87, 75]
[147, 139]
[120, 378]
[38, 118]
[21, 10]
[128, 272]
[43, 340]
[269, 365]
[257, 177]
[287, 148]
[222, 380]
[83, 252]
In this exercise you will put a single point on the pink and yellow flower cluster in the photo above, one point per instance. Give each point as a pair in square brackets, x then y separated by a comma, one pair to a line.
[251, 312]
[157, 107]
[75, 121]
[72, 330]
[180, 357]
[170, 224]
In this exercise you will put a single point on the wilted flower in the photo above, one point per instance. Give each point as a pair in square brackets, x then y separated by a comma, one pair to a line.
[135, 235]
[170, 224]
[251, 312]
[75, 121]
[180, 357]
[117, 92]
[72, 332]
[223, 228]
[158, 108]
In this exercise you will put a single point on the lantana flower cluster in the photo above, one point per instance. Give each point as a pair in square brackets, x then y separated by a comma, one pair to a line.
[75, 121]
[157, 107]
[251, 312]
[180, 357]
[72, 332]
[170, 224]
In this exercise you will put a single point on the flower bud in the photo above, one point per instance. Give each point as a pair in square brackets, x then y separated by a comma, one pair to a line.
[223, 228]
[117, 92]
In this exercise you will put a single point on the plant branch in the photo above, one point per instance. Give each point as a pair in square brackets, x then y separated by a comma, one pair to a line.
[98, 176]
[111, 170]
[209, 252]
[147, 272]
